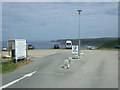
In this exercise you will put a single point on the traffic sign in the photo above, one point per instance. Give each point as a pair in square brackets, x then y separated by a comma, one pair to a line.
[75, 49]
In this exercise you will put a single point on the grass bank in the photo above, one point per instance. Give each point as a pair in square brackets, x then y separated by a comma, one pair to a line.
[10, 66]
[108, 49]
[112, 49]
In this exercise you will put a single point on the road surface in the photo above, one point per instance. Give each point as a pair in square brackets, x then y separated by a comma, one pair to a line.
[95, 69]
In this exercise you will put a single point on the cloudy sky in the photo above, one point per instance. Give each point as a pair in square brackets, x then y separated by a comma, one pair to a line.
[52, 21]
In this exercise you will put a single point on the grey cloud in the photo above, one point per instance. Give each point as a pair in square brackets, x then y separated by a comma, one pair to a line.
[60, 18]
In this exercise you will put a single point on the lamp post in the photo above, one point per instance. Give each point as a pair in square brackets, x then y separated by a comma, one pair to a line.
[79, 33]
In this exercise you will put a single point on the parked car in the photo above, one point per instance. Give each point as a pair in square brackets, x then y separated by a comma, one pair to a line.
[4, 49]
[90, 47]
[98, 47]
[30, 47]
[56, 46]
[93, 47]
[117, 46]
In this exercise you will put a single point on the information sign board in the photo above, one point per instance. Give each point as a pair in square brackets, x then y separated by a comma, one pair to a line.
[20, 48]
[75, 49]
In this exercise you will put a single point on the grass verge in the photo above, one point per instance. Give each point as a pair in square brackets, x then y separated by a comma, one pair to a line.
[104, 49]
[109, 49]
[11, 66]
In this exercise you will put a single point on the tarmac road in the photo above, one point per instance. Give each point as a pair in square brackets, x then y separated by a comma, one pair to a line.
[95, 69]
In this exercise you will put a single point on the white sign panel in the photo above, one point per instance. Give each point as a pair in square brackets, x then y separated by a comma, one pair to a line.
[20, 48]
[75, 49]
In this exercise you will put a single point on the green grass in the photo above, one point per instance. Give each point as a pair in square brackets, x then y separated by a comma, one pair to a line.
[10, 66]
[105, 49]
[108, 49]
[7, 67]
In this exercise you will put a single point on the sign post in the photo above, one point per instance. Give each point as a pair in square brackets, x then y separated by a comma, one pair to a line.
[26, 47]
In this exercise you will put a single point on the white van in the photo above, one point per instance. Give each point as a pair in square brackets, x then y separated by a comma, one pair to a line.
[68, 44]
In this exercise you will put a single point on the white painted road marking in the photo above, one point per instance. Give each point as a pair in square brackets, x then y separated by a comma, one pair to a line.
[27, 75]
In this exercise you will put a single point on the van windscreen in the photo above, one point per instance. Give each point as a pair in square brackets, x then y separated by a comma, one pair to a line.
[68, 43]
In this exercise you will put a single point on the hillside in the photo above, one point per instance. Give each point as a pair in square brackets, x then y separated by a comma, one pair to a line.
[109, 42]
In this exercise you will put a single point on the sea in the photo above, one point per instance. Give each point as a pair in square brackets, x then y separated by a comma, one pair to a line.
[41, 44]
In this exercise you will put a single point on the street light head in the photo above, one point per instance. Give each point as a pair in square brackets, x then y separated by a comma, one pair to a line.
[79, 11]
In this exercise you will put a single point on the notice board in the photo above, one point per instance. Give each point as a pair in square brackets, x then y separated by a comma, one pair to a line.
[75, 49]
[20, 48]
